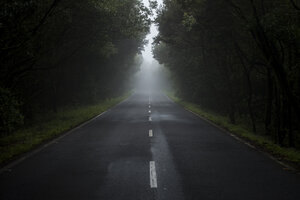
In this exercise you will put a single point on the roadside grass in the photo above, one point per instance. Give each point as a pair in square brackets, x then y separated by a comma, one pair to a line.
[49, 126]
[288, 155]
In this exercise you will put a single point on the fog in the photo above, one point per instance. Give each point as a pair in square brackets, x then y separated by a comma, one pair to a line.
[151, 76]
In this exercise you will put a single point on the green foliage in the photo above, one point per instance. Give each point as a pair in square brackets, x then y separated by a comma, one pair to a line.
[238, 58]
[153, 4]
[67, 53]
[50, 125]
[289, 155]
[10, 116]
[188, 21]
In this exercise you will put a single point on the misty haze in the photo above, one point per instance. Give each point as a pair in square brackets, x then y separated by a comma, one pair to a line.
[149, 100]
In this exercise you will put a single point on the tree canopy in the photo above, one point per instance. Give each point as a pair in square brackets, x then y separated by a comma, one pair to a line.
[58, 53]
[236, 57]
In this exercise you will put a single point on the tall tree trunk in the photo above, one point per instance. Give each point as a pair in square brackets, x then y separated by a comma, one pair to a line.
[272, 53]
[290, 128]
[54, 98]
[230, 96]
[269, 102]
[251, 112]
[247, 72]
[278, 117]
[232, 113]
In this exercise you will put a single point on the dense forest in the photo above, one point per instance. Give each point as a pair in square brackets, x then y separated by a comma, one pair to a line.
[238, 58]
[57, 53]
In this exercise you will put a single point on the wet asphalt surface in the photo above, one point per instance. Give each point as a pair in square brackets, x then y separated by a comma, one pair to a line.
[108, 158]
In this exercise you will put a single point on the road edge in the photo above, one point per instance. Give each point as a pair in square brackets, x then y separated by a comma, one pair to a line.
[241, 140]
[18, 160]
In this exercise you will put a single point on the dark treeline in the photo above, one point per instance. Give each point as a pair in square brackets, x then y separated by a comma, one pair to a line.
[57, 53]
[239, 58]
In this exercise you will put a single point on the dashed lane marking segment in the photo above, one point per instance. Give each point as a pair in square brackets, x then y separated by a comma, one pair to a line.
[153, 178]
[150, 119]
[150, 133]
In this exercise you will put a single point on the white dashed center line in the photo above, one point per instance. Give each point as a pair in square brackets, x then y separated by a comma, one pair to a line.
[153, 179]
[150, 133]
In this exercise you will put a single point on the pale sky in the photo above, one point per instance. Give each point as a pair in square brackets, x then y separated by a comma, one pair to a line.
[147, 55]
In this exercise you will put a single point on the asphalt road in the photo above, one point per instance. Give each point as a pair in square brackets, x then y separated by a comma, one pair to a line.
[117, 156]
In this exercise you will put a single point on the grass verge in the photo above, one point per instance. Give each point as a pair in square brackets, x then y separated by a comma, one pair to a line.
[290, 156]
[50, 126]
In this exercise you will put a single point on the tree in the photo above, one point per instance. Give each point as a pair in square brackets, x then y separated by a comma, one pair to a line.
[238, 58]
[57, 53]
